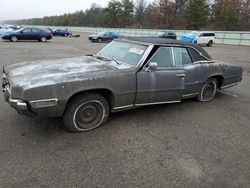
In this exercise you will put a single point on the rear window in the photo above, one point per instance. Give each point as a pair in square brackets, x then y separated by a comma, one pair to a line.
[36, 30]
[195, 55]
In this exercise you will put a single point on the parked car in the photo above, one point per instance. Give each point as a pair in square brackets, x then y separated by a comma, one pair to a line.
[104, 36]
[126, 74]
[167, 34]
[62, 32]
[204, 38]
[4, 29]
[27, 34]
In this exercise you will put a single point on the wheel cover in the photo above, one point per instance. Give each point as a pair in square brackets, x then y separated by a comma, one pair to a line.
[89, 115]
[208, 91]
[43, 39]
[14, 38]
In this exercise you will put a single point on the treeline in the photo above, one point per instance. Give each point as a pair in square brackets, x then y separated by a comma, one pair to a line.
[164, 14]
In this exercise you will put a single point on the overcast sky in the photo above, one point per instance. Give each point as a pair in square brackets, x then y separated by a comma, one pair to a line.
[19, 9]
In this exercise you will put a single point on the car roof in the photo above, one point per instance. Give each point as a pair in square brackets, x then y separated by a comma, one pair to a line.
[165, 41]
[204, 31]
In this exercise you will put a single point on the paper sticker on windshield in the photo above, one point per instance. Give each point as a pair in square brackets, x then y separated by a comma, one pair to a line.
[136, 51]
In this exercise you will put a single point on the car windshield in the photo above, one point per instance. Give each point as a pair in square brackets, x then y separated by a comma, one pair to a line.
[19, 30]
[102, 33]
[194, 33]
[124, 52]
[161, 33]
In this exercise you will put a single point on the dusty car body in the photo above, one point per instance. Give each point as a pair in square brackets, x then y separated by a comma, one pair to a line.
[125, 74]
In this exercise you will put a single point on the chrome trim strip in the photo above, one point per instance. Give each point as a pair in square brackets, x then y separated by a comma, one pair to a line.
[32, 103]
[145, 104]
[144, 57]
[190, 94]
[121, 107]
[230, 85]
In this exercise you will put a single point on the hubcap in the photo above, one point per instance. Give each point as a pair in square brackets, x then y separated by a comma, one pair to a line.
[89, 115]
[14, 39]
[209, 91]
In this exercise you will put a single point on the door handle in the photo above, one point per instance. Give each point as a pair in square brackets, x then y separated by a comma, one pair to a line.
[180, 75]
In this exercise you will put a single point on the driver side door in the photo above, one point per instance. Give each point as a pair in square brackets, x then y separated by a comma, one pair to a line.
[25, 34]
[164, 83]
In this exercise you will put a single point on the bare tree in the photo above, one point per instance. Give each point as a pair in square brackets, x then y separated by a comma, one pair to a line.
[140, 8]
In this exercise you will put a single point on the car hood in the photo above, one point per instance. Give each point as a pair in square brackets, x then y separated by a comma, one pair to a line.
[93, 36]
[55, 71]
[188, 37]
[8, 33]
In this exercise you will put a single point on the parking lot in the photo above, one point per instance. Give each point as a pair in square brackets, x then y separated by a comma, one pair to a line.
[187, 144]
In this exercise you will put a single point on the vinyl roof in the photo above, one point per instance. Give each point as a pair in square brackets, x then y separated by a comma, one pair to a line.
[162, 41]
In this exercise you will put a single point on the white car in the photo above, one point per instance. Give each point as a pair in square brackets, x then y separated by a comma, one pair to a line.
[200, 37]
[4, 29]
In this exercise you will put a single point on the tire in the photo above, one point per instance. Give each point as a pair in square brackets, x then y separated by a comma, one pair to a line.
[86, 112]
[99, 40]
[210, 43]
[13, 38]
[43, 39]
[208, 90]
[65, 35]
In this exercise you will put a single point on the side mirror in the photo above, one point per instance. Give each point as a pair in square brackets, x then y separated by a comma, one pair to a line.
[151, 66]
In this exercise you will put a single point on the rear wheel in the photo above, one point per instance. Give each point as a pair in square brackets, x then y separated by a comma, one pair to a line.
[13, 38]
[65, 35]
[86, 112]
[208, 90]
[210, 43]
[43, 39]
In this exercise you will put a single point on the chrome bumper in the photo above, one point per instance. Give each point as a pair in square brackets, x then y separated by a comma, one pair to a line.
[20, 106]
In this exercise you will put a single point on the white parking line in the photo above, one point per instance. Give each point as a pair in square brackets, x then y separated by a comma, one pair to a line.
[228, 93]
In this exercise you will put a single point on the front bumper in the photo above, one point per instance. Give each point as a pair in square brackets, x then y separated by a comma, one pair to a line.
[20, 106]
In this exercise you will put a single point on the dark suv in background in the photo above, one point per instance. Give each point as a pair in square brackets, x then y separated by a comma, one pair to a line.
[166, 34]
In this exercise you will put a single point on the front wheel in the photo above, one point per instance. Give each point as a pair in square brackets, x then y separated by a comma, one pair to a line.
[13, 38]
[99, 40]
[86, 112]
[208, 90]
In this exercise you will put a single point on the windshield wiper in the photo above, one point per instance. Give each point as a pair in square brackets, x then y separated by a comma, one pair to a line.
[101, 57]
[106, 58]
[115, 60]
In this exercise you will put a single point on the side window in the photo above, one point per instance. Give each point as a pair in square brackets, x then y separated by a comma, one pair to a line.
[181, 57]
[26, 30]
[163, 57]
[195, 55]
[202, 35]
[35, 30]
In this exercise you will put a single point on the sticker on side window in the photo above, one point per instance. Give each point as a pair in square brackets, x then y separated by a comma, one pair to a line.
[136, 51]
